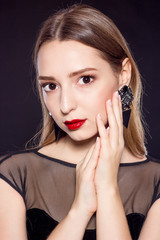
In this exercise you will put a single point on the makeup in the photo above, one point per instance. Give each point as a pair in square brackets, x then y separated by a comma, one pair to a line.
[75, 123]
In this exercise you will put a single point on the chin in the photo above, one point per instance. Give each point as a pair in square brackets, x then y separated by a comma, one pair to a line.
[81, 137]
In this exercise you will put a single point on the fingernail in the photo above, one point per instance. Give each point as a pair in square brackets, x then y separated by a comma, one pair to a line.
[99, 116]
[116, 94]
[109, 102]
[97, 140]
[107, 129]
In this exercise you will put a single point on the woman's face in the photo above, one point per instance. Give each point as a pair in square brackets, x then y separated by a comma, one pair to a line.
[76, 82]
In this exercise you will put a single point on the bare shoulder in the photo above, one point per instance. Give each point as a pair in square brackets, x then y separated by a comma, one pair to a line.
[151, 229]
[12, 213]
[12, 205]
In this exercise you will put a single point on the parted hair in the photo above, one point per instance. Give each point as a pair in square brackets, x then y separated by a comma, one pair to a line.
[91, 27]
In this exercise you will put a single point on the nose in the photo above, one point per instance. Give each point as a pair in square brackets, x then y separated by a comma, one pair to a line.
[67, 101]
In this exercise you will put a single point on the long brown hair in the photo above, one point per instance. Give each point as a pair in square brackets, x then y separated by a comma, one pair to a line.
[89, 26]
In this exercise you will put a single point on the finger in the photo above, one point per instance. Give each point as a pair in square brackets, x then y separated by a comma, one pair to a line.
[102, 130]
[118, 113]
[116, 106]
[90, 153]
[92, 163]
[120, 104]
[87, 157]
[113, 126]
[121, 137]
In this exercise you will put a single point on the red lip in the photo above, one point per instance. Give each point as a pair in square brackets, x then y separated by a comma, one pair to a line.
[75, 123]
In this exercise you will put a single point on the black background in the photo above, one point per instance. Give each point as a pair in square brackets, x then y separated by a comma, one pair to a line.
[20, 112]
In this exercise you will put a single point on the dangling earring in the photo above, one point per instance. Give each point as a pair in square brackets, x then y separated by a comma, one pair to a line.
[126, 98]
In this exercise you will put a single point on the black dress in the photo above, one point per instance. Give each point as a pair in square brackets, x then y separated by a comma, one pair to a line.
[47, 186]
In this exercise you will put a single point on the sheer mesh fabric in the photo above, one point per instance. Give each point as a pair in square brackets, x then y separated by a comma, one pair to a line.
[48, 184]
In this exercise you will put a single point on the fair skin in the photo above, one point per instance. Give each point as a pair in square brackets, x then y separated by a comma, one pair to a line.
[97, 159]
[68, 102]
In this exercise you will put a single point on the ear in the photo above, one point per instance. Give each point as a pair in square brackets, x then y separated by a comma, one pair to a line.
[125, 74]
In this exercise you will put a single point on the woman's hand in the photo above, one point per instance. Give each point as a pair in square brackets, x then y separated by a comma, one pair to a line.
[111, 222]
[112, 144]
[98, 171]
[85, 198]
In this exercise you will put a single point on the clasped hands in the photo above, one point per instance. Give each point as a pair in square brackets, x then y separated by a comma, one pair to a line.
[97, 173]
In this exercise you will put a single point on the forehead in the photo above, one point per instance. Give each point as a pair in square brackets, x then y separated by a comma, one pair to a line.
[69, 48]
[69, 55]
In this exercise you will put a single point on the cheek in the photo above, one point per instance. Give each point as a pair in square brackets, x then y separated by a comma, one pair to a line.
[50, 103]
[46, 102]
[101, 105]
[98, 102]
[95, 104]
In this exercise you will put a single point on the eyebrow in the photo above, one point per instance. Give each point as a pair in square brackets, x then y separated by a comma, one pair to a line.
[70, 74]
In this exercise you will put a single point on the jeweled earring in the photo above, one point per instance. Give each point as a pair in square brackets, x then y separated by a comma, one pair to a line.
[50, 114]
[126, 98]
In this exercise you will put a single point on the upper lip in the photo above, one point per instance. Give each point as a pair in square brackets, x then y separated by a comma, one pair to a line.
[74, 121]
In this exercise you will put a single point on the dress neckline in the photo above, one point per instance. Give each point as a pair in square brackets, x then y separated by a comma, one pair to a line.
[74, 165]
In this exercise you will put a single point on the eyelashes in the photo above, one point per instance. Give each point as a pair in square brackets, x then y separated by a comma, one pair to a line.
[49, 86]
[83, 81]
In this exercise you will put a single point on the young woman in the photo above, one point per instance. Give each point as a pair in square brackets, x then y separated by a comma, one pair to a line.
[90, 176]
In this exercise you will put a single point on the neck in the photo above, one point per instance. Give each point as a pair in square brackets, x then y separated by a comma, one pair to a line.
[79, 149]
[76, 148]
[78, 145]
[128, 157]
[69, 150]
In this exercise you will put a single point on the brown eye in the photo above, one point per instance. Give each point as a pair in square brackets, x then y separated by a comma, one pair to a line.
[49, 87]
[52, 86]
[85, 80]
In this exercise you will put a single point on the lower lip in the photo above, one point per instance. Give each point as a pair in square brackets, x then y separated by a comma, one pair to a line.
[76, 125]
